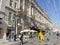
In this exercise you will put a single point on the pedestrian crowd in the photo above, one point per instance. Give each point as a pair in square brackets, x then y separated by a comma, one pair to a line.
[13, 37]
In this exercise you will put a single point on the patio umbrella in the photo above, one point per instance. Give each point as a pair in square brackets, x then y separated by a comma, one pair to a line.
[32, 31]
[25, 30]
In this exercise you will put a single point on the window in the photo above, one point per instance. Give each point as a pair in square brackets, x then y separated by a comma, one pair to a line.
[9, 16]
[21, 4]
[26, 6]
[15, 5]
[27, 3]
[11, 3]
[22, 21]
[14, 17]
[0, 20]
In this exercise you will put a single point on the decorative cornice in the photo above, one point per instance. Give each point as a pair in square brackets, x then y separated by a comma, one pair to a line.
[10, 8]
[40, 10]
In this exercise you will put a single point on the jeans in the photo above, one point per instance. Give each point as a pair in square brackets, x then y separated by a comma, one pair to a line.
[21, 42]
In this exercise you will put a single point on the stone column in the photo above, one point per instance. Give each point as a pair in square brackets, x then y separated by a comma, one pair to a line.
[4, 25]
[23, 5]
[30, 8]
[32, 11]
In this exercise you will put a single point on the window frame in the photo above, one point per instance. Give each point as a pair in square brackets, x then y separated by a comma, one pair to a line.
[9, 18]
[15, 5]
[11, 3]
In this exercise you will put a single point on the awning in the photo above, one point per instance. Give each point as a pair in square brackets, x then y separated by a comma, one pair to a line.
[25, 30]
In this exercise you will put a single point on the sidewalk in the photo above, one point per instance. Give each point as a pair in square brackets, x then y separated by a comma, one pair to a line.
[9, 42]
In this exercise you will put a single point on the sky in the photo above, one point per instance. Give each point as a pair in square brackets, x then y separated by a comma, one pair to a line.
[52, 8]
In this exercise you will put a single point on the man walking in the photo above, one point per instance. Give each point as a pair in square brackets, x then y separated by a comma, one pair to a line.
[21, 39]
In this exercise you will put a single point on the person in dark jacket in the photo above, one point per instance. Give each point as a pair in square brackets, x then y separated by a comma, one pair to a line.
[21, 38]
[15, 37]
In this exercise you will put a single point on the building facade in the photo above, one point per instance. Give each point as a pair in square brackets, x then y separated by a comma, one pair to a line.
[3, 25]
[17, 15]
[11, 8]
[8, 12]
[33, 15]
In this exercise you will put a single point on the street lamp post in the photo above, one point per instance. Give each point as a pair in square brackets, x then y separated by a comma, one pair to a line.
[16, 22]
[16, 25]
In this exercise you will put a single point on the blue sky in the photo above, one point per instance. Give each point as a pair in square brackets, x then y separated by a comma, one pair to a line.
[52, 8]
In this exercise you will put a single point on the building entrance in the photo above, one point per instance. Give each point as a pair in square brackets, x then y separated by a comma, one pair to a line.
[1, 33]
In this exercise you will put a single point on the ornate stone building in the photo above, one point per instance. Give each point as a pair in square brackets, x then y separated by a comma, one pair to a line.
[16, 15]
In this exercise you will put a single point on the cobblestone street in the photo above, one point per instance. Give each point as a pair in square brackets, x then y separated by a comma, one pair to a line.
[35, 41]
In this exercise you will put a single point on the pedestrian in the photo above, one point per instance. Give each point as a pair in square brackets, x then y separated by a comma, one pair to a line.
[41, 36]
[9, 37]
[21, 39]
[15, 37]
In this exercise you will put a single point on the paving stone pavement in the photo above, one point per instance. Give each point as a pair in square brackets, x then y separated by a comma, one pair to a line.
[53, 40]
[9, 42]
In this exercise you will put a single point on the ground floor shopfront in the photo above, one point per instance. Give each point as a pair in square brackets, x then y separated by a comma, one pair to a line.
[3, 30]
[1, 33]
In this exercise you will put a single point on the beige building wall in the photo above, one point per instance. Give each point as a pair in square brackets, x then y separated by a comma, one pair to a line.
[3, 24]
[33, 12]
[41, 15]
[13, 9]
[5, 8]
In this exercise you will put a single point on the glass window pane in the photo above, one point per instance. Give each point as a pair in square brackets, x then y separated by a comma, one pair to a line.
[10, 16]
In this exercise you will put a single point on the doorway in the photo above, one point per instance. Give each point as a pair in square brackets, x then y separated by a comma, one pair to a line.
[1, 33]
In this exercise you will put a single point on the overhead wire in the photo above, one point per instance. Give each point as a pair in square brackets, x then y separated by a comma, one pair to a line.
[54, 7]
[54, 2]
[55, 10]
[47, 5]
[59, 5]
